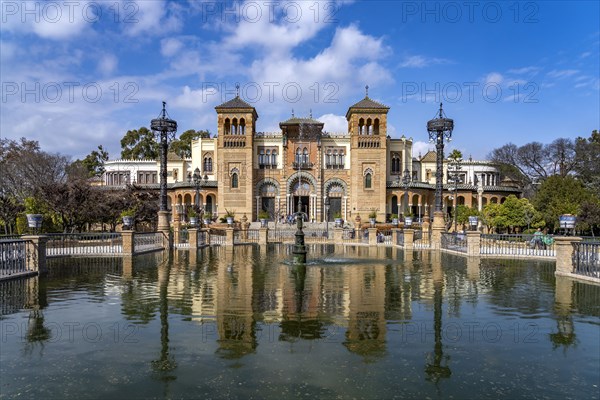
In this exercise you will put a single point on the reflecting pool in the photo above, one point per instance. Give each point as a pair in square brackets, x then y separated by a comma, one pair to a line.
[356, 322]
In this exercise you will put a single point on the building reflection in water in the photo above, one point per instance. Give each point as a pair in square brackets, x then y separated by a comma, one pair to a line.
[235, 321]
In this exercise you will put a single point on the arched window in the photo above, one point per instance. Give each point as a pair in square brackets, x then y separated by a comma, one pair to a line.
[361, 126]
[234, 180]
[207, 164]
[368, 178]
[261, 157]
[368, 181]
[335, 157]
[342, 158]
[242, 130]
[234, 126]
[227, 126]
[369, 127]
[376, 127]
[298, 155]
[305, 156]
[274, 158]
[328, 158]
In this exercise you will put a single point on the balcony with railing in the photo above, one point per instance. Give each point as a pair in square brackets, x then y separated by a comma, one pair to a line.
[302, 165]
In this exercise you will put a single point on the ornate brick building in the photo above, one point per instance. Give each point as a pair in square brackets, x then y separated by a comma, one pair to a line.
[303, 165]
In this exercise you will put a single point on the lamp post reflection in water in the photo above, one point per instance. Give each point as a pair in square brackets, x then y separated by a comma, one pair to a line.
[166, 363]
[434, 369]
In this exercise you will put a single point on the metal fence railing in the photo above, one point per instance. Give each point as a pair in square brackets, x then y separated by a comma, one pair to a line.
[217, 236]
[14, 257]
[202, 239]
[148, 241]
[384, 236]
[183, 239]
[281, 235]
[454, 241]
[516, 244]
[586, 259]
[400, 238]
[245, 236]
[77, 244]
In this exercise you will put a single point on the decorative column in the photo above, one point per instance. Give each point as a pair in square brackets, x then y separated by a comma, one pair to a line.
[36, 251]
[564, 254]
[409, 237]
[473, 243]
[166, 129]
[439, 128]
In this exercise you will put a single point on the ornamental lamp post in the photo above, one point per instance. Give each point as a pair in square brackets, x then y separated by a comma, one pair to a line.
[455, 168]
[405, 183]
[199, 181]
[327, 215]
[165, 128]
[439, 129]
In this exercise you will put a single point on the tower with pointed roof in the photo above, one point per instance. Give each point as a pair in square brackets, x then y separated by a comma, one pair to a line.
[367, 126]
[236, 124]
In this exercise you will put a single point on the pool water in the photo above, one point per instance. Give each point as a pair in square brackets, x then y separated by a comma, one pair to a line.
[356, 322]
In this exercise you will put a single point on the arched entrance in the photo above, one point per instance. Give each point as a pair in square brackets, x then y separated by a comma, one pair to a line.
[301, 194]
[395, 204]
[268, 191]
[335, 190]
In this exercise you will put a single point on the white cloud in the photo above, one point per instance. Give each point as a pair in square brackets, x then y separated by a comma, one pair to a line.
[107, 64]
[153, 17]
[48, 20]
[420, 148]
[525, 70]
[170, 46]
[565, 73]
[334, 123]
[494, 77]
[419, 61]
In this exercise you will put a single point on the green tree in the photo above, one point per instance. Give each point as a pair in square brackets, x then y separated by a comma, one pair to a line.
[589, 216]
[455, 154]
[560, 195]
[139, 144]
[183, 146]
[463, 213]
[587, 155]
[489, 215]
[94, 162]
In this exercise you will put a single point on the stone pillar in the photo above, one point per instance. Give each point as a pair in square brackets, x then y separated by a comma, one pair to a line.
[395, 233]
[263, 236]
[206, 236]
[36, 248]
[193, 238]
[473, 243]
[229, 236]
[128, 244]
[437, 229]
[372, 236]
[409, 237]
[176, 231]
[564, 254]
[337, 235]
[163, 221]
[426, 226]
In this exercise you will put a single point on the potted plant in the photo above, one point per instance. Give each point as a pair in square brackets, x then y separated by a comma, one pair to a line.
[408, 218]
[127, 216]
[338, 219]
[229, 215]
[33, 211]
[373, 217]
[395, 219]
[263, 216]
[207, 218]
[193, 216]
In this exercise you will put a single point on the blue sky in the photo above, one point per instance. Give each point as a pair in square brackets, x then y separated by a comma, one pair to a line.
[76, 75]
